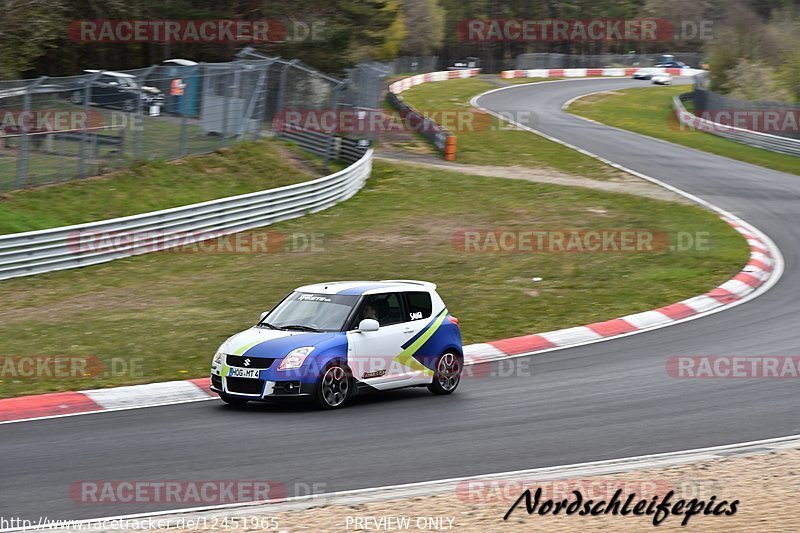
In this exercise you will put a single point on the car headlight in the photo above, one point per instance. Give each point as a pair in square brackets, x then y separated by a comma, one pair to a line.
[296, 358]
[218, 357]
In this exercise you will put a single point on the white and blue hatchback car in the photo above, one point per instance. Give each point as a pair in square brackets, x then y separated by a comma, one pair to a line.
[331, 341]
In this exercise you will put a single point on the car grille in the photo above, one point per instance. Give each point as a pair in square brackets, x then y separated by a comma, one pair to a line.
[245, 386]
[253, 362]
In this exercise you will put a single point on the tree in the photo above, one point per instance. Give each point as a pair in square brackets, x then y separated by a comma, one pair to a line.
[425, 18]
[28, 28]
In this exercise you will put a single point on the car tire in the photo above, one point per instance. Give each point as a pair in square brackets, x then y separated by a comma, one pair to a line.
[447, 373]
[233, 400]
[334, 386]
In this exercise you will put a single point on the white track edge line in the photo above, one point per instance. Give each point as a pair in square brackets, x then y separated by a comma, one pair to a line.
[410, 490]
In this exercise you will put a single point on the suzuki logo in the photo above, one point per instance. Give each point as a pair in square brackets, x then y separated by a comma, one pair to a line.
[247, 362]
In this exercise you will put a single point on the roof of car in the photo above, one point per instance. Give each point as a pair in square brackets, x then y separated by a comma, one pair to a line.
[182, 62]
[367, 287]
[110, 73]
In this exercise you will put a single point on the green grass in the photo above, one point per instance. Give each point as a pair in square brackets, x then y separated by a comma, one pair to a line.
[246, 167]
[172, 310]
[496, 143]
[649, 111]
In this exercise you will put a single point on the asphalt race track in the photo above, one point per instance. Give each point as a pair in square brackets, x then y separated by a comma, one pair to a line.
[607, 400]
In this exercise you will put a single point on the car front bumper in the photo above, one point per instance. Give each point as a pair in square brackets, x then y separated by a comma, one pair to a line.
[271, 384]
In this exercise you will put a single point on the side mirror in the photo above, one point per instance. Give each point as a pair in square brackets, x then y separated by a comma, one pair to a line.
[263, 316]
[368, 324]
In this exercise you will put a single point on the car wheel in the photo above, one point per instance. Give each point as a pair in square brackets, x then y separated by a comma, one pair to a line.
[447, 375]
[233, 400]
[334, 386]
[76, 97]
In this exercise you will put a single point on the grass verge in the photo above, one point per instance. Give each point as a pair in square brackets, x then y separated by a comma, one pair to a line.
[246, 167]
[168, 311]
[493, 143]
[648, 111]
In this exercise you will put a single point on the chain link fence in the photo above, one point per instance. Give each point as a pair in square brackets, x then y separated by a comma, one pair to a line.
[59, 129]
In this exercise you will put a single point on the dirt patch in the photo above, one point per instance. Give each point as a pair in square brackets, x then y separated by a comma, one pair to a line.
[299, 161]
[625, 184]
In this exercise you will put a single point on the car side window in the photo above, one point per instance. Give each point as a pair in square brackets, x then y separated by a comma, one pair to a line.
[419, 305]
[387, 309]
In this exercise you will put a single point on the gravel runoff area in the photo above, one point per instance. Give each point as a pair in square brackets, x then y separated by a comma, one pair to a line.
[764, 484]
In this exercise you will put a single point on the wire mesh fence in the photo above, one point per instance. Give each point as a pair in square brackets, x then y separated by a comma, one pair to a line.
[58, 129]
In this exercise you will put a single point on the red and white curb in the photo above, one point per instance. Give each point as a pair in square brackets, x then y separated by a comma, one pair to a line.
[59, 404]
[756, 273]
[760, 273]
[591, 72]
[412, 81]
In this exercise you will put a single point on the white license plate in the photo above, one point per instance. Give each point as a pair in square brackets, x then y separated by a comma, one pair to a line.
[251, 373]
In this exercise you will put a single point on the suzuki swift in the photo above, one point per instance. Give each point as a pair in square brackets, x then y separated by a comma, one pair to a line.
[332, 341]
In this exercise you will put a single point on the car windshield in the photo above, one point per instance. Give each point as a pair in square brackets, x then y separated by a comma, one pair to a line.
[303, 311]
[127, 82]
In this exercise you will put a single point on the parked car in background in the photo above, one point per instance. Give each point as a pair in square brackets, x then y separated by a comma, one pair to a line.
[662, 79]
[117, 90]
[672, 64]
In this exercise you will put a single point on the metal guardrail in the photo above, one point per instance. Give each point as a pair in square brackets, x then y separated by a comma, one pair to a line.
[442, 139]
[774, 143]
[326, 145]
[36, 252]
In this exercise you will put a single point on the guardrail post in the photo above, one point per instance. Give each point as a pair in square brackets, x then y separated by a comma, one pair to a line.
[184, 106]
[225, 105]
[138, 120]
[332, 134]
[249, 111]
[22, 148]
[261, 98]
[282, 85]
[87, 98]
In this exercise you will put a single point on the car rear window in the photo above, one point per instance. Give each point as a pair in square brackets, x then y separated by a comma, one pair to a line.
[419, 305]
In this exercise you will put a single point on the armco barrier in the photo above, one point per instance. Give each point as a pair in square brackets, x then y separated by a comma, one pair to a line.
[611, 72]
[320, 143]
[36, 252]
[443, 140]
[775, 143]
